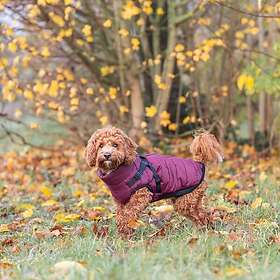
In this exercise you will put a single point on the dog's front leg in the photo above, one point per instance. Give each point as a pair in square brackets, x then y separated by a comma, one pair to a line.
[129, 212]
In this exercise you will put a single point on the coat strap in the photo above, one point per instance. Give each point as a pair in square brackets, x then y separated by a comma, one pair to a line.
[137, 176]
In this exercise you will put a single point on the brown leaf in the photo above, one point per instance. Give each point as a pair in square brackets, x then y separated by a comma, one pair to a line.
[15, 249]
[192, 241]
[6, 265]
[80, 230]
[7, 242]
[275, 239]
[100, 231]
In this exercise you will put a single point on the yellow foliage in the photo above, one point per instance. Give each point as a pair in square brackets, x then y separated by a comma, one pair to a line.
[123, 109]
[172, 126]
[230, 184]
[66, 218]
[179, 48]
[246, 82]
[165, 119]
[160, 11]
[47, 192]
[4, 228]
[107, 23]
[123, 32]
[147, 7]
[182, 99]
[135, 43]
[151, 111]
[28, 94]
[87, 30]
[58, 20]
[53, 90]
[107, 70]
[113, 92]
[130, 10]
[45, 52]
[104, 120]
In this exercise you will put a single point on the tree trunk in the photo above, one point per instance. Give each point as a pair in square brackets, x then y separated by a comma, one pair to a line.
[263, 96]
[137, 106]
[250, 120]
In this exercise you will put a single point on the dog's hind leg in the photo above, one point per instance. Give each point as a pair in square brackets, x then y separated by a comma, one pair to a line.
[128, 213]
[191, 206]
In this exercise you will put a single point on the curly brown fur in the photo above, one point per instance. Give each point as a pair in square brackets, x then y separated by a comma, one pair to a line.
[191, 206]
[128, 213]
[110, 147]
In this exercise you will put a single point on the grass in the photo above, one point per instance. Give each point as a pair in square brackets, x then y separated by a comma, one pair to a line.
[240, 248]
[245, 245]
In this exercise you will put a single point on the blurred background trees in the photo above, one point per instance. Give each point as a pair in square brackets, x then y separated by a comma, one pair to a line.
[151, 67]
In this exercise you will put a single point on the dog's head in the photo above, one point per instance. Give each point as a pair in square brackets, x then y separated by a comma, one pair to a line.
[108, 148]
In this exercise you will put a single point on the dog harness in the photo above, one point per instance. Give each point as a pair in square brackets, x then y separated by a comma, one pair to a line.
[165, 176]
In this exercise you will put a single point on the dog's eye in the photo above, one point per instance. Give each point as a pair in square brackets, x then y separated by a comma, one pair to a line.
[101, 146]
[115, 145]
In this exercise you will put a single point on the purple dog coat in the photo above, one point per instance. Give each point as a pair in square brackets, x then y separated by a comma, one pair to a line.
[164, 176]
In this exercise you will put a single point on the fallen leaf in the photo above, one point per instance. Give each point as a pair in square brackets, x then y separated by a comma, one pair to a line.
[64, 268]
[256, 203]
[66, 218]
[4, 228]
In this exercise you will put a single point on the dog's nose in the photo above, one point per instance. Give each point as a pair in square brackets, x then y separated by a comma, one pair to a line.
[107, 155]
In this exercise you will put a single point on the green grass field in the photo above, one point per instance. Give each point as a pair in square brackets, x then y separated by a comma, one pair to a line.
[244, 246]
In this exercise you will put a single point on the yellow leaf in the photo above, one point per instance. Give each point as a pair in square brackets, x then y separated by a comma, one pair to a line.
[107, 70]
[165, 119]
[123, 109]
[256, 203]
[66, 218]
[107, 23]
[70, 171]
[27, 213]
[172, 126]
[123, 32]
[87, 30]
[135, 43]
[34, 125]
[104, 120]
[58, 20]
[49, 202]
[28, 94]
[4, 228]
[45, 52]
[230, 184]
[113, 92]
[53, 89]
[160, 11]
[46, 191]
[75, 101]
[179, 48]
[182, 99]
[130, 10]
[89, 91]
[12, 47]
[234, 272]
[151, 111]
[225, 208]
[246, 82]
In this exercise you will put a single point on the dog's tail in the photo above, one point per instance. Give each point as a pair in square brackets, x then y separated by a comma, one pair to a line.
[205, 148]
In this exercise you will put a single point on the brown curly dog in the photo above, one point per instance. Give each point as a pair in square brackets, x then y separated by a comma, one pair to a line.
[136, 180]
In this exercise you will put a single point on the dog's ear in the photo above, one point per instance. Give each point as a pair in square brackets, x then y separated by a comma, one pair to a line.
[91, 150]
[130, 151]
